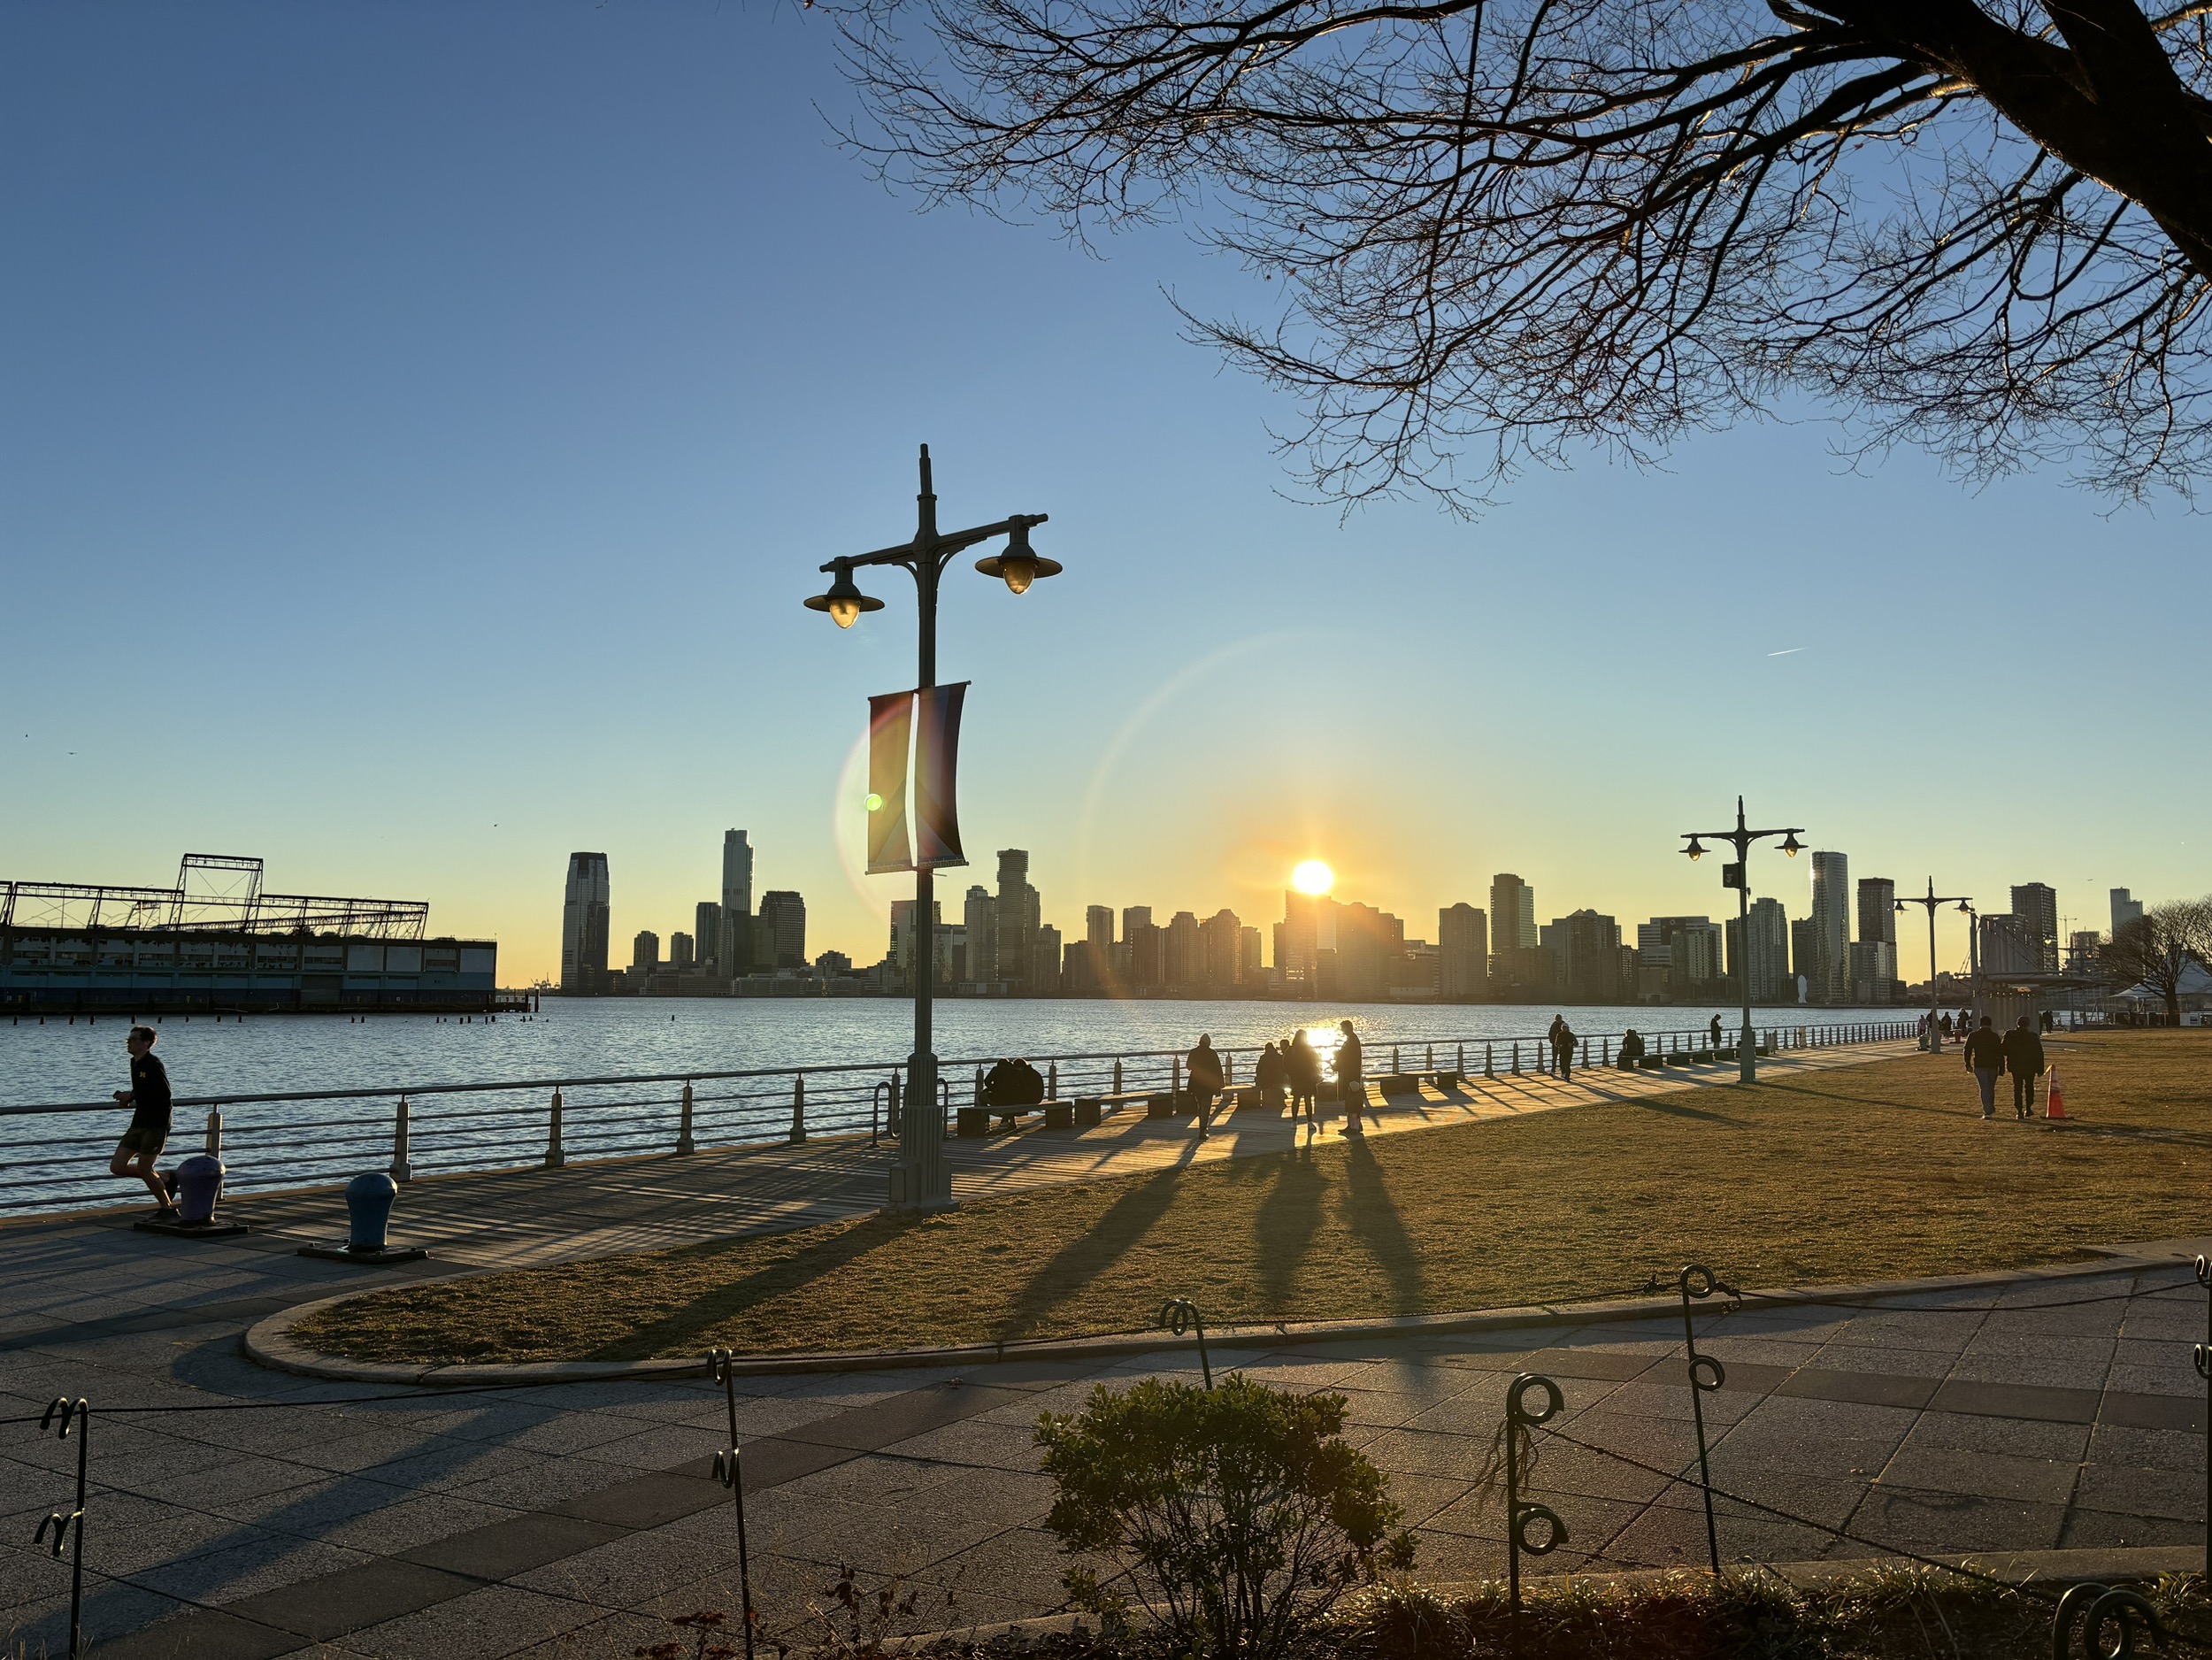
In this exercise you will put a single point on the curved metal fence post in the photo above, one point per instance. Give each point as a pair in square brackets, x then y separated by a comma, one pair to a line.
[554, 1156]
[1180, 1315]
[2094, 1604]
[798, 1110]
[683, 1143]
[730, 1472]
[402, 1167]
[79, 1412]
[897, 1091]
[2201, 1355]
[1519, 1517]
[1705, 1374]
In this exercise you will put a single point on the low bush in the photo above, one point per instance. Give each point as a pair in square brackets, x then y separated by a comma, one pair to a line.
[1237, 1516]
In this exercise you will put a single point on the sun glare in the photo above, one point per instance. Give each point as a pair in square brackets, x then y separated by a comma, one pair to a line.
[1313, 877]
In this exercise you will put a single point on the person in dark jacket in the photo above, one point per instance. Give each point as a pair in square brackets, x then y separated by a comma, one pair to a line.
[1351, 1081]
[147, 1098]
[1563, 1047]
[1986, 1058]
[1305, 1068]
[1632, 1049]
[1203, 1070]
[1271, 1074]
[2023, 1059]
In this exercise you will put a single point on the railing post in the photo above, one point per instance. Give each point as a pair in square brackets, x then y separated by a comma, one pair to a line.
[1052, 1081]
[1605, 1051]
[1489, 1061]
[798, 1110]
[215, 1131]
[554, 1157]
[402, 1168]
[1431, 1065]
[1396, 1065]
[683, 1143]
[1517, 1057]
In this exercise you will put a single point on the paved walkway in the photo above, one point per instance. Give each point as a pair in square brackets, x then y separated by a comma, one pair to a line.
[296, 1518]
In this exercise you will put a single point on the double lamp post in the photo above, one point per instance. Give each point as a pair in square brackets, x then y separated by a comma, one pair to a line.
[921, 1180]
[1733, 876]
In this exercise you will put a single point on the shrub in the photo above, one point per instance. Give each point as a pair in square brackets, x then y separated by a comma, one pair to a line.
[1238, 1515]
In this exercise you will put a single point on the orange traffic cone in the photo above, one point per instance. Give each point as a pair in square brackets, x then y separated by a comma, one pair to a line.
[2057, 1107]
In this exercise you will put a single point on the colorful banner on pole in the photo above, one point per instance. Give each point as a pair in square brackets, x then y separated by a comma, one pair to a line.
[929, 721]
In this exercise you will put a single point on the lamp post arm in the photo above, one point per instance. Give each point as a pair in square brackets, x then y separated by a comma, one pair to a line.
[941, 547]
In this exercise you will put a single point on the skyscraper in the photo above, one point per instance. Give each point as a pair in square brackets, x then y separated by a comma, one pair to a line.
[1831, 928]
[782, 928]
[2124, 911]
[645, 951]
[733, 940]
[680, 956]
[1186, 960]
[584, 919]
[980, 916]
[1462, 950]
[1765, 960]
[1513, 938]
[1017, 917]
[904, 935]
[1222, 947]
[706, 929]
[1878, 910]
[2036, 905]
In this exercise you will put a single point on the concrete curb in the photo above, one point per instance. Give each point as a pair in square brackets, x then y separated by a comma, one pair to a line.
[2124, 1566]
[270, 1343]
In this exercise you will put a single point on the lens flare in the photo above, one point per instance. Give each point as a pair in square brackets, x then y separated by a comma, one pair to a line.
[1313, 877]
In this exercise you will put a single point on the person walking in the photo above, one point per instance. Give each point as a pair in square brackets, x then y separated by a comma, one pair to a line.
[1986, 1058]
[147, 1098]
[1304, 1070]
[1563, 1047]
[1270, 1072]
[1716, 1042]
[1350, 1081]
[2023, 1059]
[1202, 1068]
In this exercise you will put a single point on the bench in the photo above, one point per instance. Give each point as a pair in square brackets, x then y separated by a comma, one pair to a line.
[977, 1120]
[1090, 1109]
[1399, 1084]
[1450, 1080]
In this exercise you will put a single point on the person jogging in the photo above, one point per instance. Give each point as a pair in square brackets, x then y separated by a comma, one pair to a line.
[1986, 1058]
[2023, 1059]
[147, 1098]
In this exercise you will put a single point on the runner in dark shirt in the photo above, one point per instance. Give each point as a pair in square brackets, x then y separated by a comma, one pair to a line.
[147, 1098]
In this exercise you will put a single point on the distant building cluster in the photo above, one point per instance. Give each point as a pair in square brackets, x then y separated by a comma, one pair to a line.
[1843, 950]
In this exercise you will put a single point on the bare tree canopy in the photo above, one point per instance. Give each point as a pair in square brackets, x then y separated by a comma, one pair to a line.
[2155, 949]
[1507, 226]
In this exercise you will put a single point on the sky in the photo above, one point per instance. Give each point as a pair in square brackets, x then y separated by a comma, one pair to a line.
[419, 424]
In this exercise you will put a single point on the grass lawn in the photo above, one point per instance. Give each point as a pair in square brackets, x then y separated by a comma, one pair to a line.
[1865, 1173]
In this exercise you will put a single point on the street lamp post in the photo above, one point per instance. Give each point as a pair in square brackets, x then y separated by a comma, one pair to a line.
[1931, 899]
[1734, 876]
[920, 1179]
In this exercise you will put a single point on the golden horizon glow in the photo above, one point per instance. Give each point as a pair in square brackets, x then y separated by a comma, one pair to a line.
[1313, 877]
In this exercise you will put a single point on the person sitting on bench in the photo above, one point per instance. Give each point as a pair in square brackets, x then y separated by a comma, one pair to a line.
[1631, 1049]
[1013, 1083]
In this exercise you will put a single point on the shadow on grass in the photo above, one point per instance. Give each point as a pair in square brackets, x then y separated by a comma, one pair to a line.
[1678, 1110]
[1077, 1265]
[1372, 1217]
[1284, 1224]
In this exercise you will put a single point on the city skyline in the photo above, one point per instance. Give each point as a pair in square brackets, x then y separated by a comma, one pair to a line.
[494, 393]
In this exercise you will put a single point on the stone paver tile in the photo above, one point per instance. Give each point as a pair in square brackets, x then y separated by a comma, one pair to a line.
[1936, 1333]
[869, 1479]
[1664, 1537]
[443, 1465]
[1023, 1564]
[1440, 1556]
[973, 1441]
[625, 1573]
[2162, 1379]
[484, 1625]
[1811, 1499]
[1427, 1453]
[1782, 1414]
[111, 1610]
[534, 1483]
[2020, 1438]
[400, 1523]
[1012, 1496]
[664, 1447]
[2090, 1530]
[2177, 1495]
[1956, 1522]
[883, 1539]
[1889, 1363]
[1669, 1397]
[252, 1561]
[615, 1637]
[2035, 1370]
[2149, 1448]
[1985, 1474]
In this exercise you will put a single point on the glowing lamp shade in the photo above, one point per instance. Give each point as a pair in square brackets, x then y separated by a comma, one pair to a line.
[1020, 565]
[1696, 850]
[844, 602]
[1792, 847]
[1313, 877]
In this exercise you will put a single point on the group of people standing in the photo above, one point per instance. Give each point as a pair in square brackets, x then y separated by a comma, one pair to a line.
[1292, 1072]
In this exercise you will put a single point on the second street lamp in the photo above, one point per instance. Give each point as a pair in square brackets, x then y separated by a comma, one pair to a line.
[1931, 899]
[1734, 876]
[919, 1178]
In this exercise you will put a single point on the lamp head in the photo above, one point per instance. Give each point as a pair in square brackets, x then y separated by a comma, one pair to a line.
[1965, 910]
[1020, 565]
[1696, 850]
[844, 602]
[1791, 846]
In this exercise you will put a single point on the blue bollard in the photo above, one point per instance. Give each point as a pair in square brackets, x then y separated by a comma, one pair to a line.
[369, 1204]
[199, 1184]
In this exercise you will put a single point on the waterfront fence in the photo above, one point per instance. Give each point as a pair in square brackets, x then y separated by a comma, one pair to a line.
[53, 1157]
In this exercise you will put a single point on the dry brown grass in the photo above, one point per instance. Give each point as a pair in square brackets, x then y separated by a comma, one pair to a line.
[1865, 1173]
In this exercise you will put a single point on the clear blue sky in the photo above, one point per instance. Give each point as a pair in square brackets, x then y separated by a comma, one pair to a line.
[420, 422]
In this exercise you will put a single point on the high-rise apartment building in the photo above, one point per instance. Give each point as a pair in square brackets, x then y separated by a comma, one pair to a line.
[1513, 933]
[734, 953]
[1831, 928]
[1098, 928]
[980, 917]
[782, 929]
[2124, 911]
[1765, 958]
[904, 936]
[1369, 945]
[645, 951]
[1878, 910]
[1804, 949]
[679, 953]
[706, 929]
[1221, 950]
[1309, 928]
[1249, 955]
[1589, 955]
[584, 918]
[1185, 964]
[2036, 905]
[1144, 943]
[1874, 971]
[1463, 952]
[1688, 949]
[1018, 917]
[1044, 978]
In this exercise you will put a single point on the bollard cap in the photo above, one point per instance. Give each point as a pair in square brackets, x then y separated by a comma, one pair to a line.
[200, 1165]
[372, 1181]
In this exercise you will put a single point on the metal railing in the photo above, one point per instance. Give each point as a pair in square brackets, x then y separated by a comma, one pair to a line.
[53, 1156]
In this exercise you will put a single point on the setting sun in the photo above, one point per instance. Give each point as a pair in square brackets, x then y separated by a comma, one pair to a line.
[1313, 877]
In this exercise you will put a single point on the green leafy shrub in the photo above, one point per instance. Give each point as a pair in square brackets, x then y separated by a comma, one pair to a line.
[1238, 1515]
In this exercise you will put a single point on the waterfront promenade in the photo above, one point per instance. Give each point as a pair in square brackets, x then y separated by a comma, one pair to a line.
[571, 1520]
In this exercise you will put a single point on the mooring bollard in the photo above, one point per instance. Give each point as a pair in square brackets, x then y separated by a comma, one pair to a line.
[76, 1413]
[402, 1168]
[1180, 1315]
[798, 1110]
[1520, 1517]
[554, 1157]
[683, 1143]
[729, 1471]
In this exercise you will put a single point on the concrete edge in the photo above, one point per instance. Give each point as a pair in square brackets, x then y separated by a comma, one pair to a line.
[2131, 1564]
[269, 1340]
